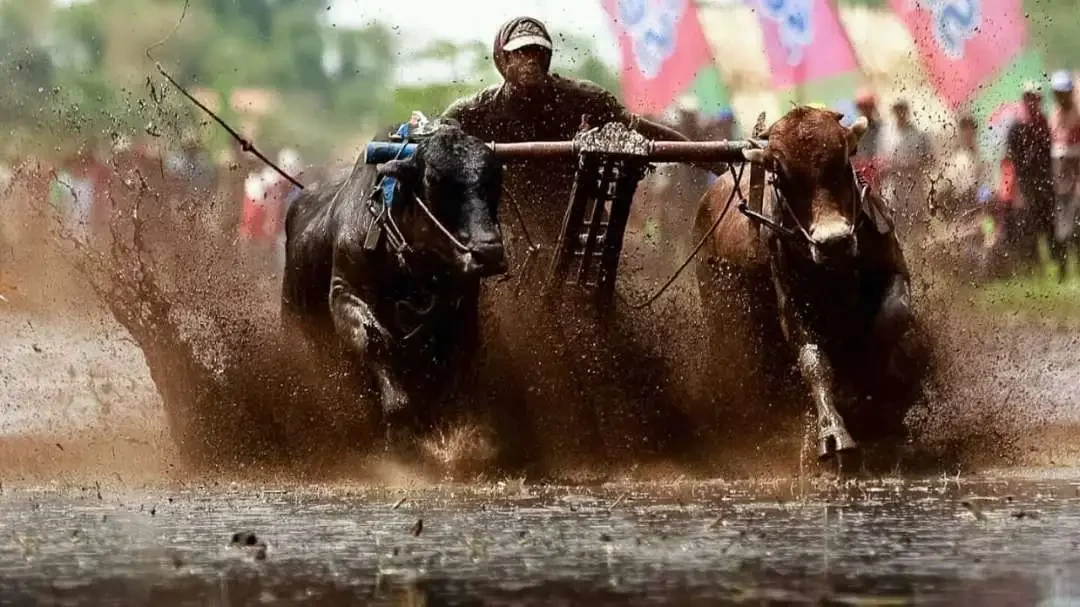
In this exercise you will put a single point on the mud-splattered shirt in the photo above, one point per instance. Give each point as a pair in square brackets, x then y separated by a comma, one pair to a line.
[540, 187]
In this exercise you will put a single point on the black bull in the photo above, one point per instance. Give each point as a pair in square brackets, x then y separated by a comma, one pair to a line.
[398, 285]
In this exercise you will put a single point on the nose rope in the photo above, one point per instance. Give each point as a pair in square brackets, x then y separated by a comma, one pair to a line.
[438, 224]
[857, 203]
[783, 200]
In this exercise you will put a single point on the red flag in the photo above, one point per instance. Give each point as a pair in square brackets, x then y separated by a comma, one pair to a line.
[804, 42]
[663, 49]
[963, 43]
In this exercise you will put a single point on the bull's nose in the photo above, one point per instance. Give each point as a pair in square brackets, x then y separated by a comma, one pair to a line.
[833, 240]
[490, 256]
[485, 260]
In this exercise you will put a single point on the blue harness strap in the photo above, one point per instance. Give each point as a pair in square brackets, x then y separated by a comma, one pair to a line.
[389, 188]
[380, 152]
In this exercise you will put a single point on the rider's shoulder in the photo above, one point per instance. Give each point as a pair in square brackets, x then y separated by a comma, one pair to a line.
[580, 85]
[588, 94]
[472, 102]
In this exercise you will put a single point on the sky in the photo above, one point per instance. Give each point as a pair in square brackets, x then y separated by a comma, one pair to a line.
[424, 20]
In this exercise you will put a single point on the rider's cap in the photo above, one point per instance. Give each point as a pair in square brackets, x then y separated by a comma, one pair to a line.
[527, 33]
[1062, 81]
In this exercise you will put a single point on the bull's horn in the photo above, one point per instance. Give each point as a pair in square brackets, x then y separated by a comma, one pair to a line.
[759, 127]
[756, 156]
[859, 127]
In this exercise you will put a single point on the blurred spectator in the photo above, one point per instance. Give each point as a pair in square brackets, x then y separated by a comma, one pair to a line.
[253, 214]
[280, 194]
[964, 172]
[867, 156]
[1065, 154]
[720, 126]
[71, 194]
[1027, 163]
[906, 154]
[99, 173]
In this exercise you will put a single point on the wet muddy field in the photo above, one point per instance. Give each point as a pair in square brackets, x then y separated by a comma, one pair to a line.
[97, 507]
[94, 511]
[948, 541]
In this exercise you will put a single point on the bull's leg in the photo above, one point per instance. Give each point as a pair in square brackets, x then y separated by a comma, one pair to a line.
[818, 375]
[894, 319]
[817, 372]
[356, 324]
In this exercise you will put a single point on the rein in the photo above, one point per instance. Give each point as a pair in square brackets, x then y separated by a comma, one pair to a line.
[800, 232]
[383, 222]
[735, 191]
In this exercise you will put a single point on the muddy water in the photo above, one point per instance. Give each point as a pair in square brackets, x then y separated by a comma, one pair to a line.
[93, 512]
[942, 541]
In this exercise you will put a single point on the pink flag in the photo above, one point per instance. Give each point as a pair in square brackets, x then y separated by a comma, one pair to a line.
[804, 41]
[663, 49]
[962, 43]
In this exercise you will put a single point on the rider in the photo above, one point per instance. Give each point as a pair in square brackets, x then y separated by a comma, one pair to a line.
[533, 104]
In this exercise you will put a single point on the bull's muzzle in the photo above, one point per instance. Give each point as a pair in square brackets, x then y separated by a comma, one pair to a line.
[484, 260]
[833, 241]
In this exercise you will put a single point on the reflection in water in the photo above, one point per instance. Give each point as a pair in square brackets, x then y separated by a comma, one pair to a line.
[860, 542]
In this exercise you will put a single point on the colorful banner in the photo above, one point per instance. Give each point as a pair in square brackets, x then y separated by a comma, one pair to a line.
[809, 54]
[804, 42]
[664, 50]
[963, 44]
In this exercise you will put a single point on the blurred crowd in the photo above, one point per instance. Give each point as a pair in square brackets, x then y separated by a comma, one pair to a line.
[947, 195]
[233, 198]
[943, 190]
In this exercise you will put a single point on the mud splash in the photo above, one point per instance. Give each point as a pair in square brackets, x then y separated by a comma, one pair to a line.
[558, 397]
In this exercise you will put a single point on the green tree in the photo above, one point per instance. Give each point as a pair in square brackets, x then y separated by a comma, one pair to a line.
[576, 56]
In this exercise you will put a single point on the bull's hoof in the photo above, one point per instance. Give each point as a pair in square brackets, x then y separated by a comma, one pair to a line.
[833, 440]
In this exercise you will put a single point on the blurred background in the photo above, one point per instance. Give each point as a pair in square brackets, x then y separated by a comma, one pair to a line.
[310, 82]
[318, 75]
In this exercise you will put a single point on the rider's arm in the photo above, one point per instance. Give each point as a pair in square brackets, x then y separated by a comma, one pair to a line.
[467, 111]
[655, 130]
[659, 132]
[458, 111]
[607, 108]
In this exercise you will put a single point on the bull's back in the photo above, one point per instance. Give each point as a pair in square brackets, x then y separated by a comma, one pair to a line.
[311, 228]
[734, 240]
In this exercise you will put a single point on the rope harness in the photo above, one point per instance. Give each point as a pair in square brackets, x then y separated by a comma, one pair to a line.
[384, 229]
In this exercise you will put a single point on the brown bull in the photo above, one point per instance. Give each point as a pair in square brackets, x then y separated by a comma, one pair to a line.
[820, 267]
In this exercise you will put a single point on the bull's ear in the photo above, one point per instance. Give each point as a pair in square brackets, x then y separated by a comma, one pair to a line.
[760, 156]
[403, 170]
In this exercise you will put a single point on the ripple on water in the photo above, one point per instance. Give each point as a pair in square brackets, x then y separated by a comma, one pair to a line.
[614, 544]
